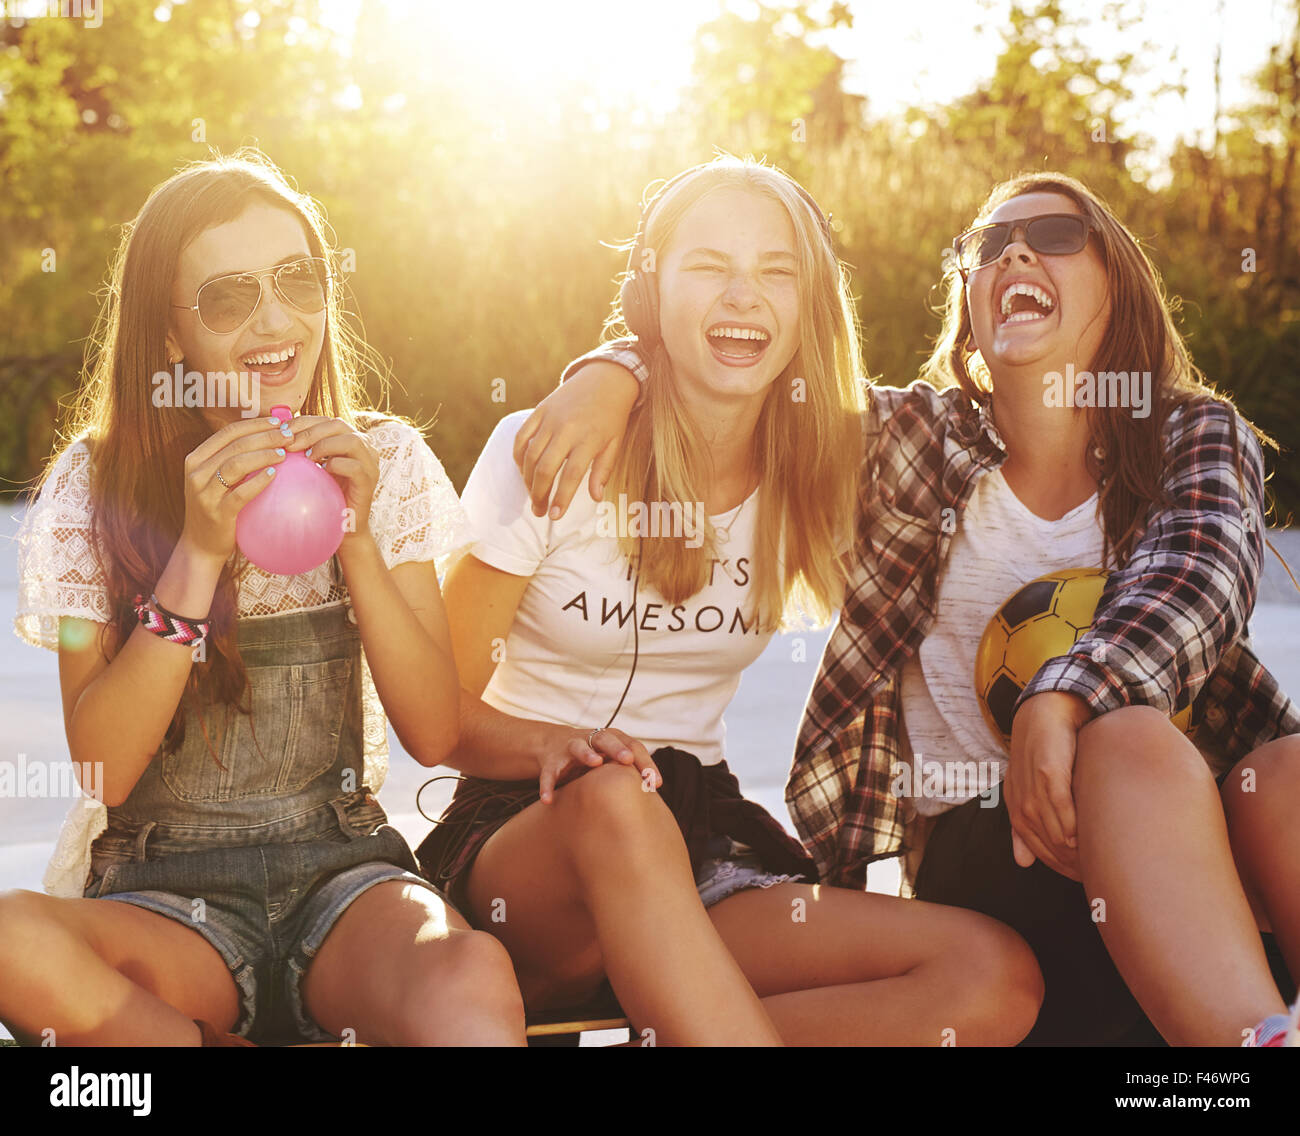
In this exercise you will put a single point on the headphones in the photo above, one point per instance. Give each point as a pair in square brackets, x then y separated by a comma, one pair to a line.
[638, 297]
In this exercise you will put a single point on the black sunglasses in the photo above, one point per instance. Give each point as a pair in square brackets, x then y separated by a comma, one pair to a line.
[1053, 234]
[226, 303]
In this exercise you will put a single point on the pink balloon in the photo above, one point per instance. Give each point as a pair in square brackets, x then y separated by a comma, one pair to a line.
[296, 522]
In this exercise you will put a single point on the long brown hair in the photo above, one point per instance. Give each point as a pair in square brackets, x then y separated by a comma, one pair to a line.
[807, 446]
[1141, 336]
[137, 449]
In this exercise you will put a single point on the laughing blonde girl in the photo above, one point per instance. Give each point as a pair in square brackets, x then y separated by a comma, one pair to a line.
[598, 664]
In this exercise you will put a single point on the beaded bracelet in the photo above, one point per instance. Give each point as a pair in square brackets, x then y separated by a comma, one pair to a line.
[168, 625]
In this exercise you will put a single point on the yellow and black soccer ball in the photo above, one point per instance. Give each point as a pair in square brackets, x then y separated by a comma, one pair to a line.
[1040, 621]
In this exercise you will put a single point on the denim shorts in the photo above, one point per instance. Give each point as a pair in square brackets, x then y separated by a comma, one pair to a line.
[731, 867]
[266, 909]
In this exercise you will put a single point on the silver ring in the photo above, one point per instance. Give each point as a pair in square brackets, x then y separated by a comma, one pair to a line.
[223, 480]
[591, 735]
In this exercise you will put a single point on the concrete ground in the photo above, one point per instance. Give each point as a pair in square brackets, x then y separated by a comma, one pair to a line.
[761, 722]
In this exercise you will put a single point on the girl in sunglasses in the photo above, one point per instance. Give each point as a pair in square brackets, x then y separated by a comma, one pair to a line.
[1139, 866]
[237, 883]
[601, 834]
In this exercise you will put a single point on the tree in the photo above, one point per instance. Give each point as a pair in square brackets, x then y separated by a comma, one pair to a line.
[764, 83]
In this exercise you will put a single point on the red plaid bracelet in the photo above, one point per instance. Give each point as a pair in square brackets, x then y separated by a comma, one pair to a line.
[168, 625]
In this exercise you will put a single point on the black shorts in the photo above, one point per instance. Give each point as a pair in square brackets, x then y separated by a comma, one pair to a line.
[705, 800]
[968, 863]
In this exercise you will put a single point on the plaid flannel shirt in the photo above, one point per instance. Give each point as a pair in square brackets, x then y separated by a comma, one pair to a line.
[1170, 627]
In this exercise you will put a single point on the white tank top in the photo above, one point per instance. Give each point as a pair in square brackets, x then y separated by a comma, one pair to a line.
[999, 545]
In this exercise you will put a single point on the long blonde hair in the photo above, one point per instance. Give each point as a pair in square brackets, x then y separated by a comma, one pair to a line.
[807, 441]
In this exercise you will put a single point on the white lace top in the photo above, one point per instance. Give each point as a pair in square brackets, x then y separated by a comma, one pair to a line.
[415, 516]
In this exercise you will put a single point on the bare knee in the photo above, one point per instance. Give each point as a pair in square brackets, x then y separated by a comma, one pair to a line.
[1136, 741]
[1125, 728]
[33, 950]
[1264, 788]
[27, 926]
[469, 976]
[609, 805]
[1001, 987]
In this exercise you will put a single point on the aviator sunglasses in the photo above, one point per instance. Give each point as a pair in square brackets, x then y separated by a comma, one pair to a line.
[226, 303]
[1053, 234]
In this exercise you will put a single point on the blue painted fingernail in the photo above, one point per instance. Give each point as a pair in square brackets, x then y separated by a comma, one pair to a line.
[270, 471]
[279, 451]
[309, 450]
[274, 420]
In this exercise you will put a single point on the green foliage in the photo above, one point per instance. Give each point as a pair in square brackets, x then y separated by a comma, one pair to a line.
[762, 81]
[476, 218]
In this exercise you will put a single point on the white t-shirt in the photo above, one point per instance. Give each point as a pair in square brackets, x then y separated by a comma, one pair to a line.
[570, 649]
[414, 516]
[999, 546]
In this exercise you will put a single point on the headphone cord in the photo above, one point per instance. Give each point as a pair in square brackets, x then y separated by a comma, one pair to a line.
[438, 822]
[636, 638]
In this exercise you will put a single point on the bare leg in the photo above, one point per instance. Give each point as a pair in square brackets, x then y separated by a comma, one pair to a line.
[1153, 844]
[841, 967]
[1261, 798]
[98, 972]
[599, 882]
[400, 967]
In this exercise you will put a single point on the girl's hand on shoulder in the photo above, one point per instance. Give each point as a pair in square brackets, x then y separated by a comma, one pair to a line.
[1038, 788]
[568, 755]
[344, 453]
[579, 424]
[247, 446]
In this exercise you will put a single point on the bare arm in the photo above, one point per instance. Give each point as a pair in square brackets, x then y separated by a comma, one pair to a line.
[117, 712]
[579, 424]
[399, 612]
[481, 606]
[404, 631]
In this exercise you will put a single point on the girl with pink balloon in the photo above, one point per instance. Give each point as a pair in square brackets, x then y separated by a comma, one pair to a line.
[237, 882]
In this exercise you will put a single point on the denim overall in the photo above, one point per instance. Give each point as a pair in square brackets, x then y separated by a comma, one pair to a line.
[261, 842]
